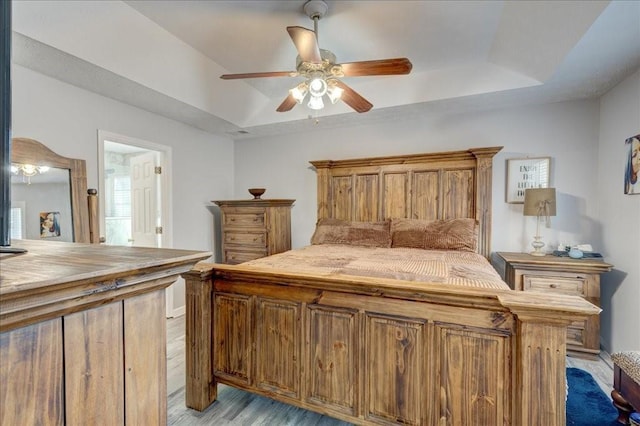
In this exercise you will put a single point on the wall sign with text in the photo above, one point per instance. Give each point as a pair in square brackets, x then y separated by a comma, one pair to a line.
[523, 173]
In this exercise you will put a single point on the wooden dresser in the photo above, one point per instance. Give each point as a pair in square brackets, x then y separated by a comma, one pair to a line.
[254, 228]
[83, 333]
[559, 275]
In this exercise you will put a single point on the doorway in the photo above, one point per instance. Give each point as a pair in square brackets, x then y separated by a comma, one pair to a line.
[134, 192]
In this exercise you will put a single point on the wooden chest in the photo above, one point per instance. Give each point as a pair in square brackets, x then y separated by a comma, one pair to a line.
[254, 228]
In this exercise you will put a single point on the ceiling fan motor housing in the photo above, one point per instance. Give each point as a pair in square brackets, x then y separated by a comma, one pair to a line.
[328, 65]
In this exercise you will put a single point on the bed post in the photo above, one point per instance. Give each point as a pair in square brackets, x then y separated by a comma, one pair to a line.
[540, 355]
[541, 373]
[201, 388]
[484, 174]
[323, 189]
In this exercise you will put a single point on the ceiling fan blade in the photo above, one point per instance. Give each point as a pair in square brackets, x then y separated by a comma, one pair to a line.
[259, 75]
[306, 44]
[287, 104]
[353, 99]
[393, 66]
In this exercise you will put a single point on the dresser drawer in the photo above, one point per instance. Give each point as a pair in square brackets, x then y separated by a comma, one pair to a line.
[234, 257]
[573, 285]
[244, 220]
[248, 239]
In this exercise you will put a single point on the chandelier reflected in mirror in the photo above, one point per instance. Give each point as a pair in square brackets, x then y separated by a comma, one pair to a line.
[27, 171]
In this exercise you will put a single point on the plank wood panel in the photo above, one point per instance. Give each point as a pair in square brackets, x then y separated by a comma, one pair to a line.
[333, 358]
[426, 195]
[457, 194]
[473, 393]
[278, 345]
[145, 375]
[31, 375]
[395, 378]
[395, 206]
[93, 354]
[233, 332]
[341, 197]
[367, 198]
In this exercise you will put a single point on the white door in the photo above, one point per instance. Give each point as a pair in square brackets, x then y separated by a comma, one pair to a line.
[144, 193]
[117, 213]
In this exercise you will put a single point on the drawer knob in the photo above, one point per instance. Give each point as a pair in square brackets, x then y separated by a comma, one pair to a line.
[553, 285]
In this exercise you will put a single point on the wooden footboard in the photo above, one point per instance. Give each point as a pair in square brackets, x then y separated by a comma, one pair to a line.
[372, 351]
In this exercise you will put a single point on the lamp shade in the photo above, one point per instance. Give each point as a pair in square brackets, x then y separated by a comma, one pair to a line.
[539, 202]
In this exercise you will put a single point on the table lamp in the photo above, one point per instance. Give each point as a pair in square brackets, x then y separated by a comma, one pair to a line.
[539, 202]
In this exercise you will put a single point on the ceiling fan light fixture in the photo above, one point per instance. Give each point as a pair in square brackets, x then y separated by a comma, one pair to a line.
[28, 170]
[317, 87]
[315, 102]
[334, 92]
[299, 92]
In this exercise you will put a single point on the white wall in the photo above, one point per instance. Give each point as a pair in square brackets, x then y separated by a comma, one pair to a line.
[620, 217]
[67, 120]
[567, 132]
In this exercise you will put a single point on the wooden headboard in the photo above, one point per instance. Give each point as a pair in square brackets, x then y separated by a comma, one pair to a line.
[442, 185]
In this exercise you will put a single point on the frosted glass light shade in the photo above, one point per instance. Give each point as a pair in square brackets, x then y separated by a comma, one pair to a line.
[318, 87]
[315, 102]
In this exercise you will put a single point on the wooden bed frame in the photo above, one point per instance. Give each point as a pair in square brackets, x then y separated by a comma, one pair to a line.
[382, 351]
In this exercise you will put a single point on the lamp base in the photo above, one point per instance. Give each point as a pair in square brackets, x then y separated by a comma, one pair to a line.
[537, 246]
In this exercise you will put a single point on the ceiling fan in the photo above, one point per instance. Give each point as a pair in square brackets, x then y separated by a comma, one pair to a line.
[320, 70]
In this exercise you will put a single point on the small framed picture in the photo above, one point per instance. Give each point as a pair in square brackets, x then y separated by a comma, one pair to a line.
[523, 173]
[49, 224]
[632, 166]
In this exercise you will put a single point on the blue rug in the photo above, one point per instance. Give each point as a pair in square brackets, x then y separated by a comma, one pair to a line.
[587, 405]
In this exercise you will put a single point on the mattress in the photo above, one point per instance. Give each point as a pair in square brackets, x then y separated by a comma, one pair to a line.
[459, 268]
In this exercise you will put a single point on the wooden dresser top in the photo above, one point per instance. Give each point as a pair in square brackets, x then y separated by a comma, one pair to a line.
[49, 263]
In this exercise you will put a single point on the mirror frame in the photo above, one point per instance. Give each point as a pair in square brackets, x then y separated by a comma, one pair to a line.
[30, 151]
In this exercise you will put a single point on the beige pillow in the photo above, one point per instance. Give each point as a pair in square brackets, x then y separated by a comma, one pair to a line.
[448, 234]
[366, 234]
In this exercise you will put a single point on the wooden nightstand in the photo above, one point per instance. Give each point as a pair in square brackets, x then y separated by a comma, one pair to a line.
[254, 228]
[563, 275]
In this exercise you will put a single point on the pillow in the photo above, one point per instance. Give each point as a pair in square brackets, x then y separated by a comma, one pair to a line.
[366, 234]
[448, 234]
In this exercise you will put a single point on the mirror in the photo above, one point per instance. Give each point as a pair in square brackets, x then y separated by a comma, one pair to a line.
[48, 192]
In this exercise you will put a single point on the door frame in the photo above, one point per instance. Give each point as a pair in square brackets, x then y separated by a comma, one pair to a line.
[166, 208]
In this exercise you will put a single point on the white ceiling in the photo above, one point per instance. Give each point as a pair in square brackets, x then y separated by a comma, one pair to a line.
[166, 56]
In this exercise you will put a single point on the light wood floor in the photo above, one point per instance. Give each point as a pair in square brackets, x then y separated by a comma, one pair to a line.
[236, 407]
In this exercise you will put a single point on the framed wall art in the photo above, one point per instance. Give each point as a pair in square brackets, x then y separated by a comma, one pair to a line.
[632, 166]
[49, 224]
[523, 173]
